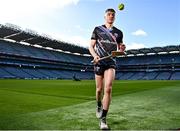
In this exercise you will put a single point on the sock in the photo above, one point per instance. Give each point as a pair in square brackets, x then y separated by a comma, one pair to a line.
[104, 113]
[99, 103]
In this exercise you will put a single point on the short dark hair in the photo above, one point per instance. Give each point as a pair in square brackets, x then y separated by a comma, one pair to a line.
[110, 10]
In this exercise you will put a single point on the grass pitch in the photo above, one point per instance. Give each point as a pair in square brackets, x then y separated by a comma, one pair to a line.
[66, 105]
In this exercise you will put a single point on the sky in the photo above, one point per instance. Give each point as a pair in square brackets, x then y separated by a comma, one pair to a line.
[144, 23]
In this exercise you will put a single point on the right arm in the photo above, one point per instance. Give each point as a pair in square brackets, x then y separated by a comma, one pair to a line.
[92, 51]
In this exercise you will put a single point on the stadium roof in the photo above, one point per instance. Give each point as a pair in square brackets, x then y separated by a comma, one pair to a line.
[13, 32]
[155, 50]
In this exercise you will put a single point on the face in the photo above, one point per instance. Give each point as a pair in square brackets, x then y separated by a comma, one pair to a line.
[110, 17]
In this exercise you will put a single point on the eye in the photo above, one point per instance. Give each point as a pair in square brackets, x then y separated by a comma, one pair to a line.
[109, 14]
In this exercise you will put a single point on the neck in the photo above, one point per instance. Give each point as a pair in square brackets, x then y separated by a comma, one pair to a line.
[108, 25]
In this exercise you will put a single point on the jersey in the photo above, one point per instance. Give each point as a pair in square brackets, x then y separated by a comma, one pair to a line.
[107, 40]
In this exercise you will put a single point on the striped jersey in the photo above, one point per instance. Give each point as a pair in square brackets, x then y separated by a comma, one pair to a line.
[107, 40]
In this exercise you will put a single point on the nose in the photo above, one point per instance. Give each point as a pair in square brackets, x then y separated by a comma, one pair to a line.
[112, 16]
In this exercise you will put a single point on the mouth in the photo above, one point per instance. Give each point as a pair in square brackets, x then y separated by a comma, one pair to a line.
[111, 20]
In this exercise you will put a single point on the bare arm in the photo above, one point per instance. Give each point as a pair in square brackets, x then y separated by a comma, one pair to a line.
[91, 48]
[92, 51]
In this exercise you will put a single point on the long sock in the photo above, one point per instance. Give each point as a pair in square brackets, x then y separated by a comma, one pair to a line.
[104, 113]
[99, 103]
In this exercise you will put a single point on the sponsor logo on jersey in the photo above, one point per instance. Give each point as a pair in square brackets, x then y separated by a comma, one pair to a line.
[107, 41]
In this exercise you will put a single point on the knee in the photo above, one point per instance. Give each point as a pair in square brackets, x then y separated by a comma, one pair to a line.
[99, 90]
[108, 90]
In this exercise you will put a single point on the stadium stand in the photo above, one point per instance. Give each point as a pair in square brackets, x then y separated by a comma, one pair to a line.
[165, 66]
[24, 55]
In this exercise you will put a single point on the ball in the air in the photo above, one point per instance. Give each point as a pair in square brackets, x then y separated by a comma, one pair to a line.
[121, 6]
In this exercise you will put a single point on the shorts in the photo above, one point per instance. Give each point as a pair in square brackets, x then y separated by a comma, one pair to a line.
[99, 69]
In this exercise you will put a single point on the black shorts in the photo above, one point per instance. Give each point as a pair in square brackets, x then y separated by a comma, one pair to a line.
[99, 69]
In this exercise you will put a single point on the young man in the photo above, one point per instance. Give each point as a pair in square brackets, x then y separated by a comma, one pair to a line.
[105, 38]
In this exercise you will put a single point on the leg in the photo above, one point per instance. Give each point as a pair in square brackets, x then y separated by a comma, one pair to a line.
[99, 87]
[109, 76]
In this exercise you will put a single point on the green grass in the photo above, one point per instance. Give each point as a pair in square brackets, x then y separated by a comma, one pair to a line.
[66, 105]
